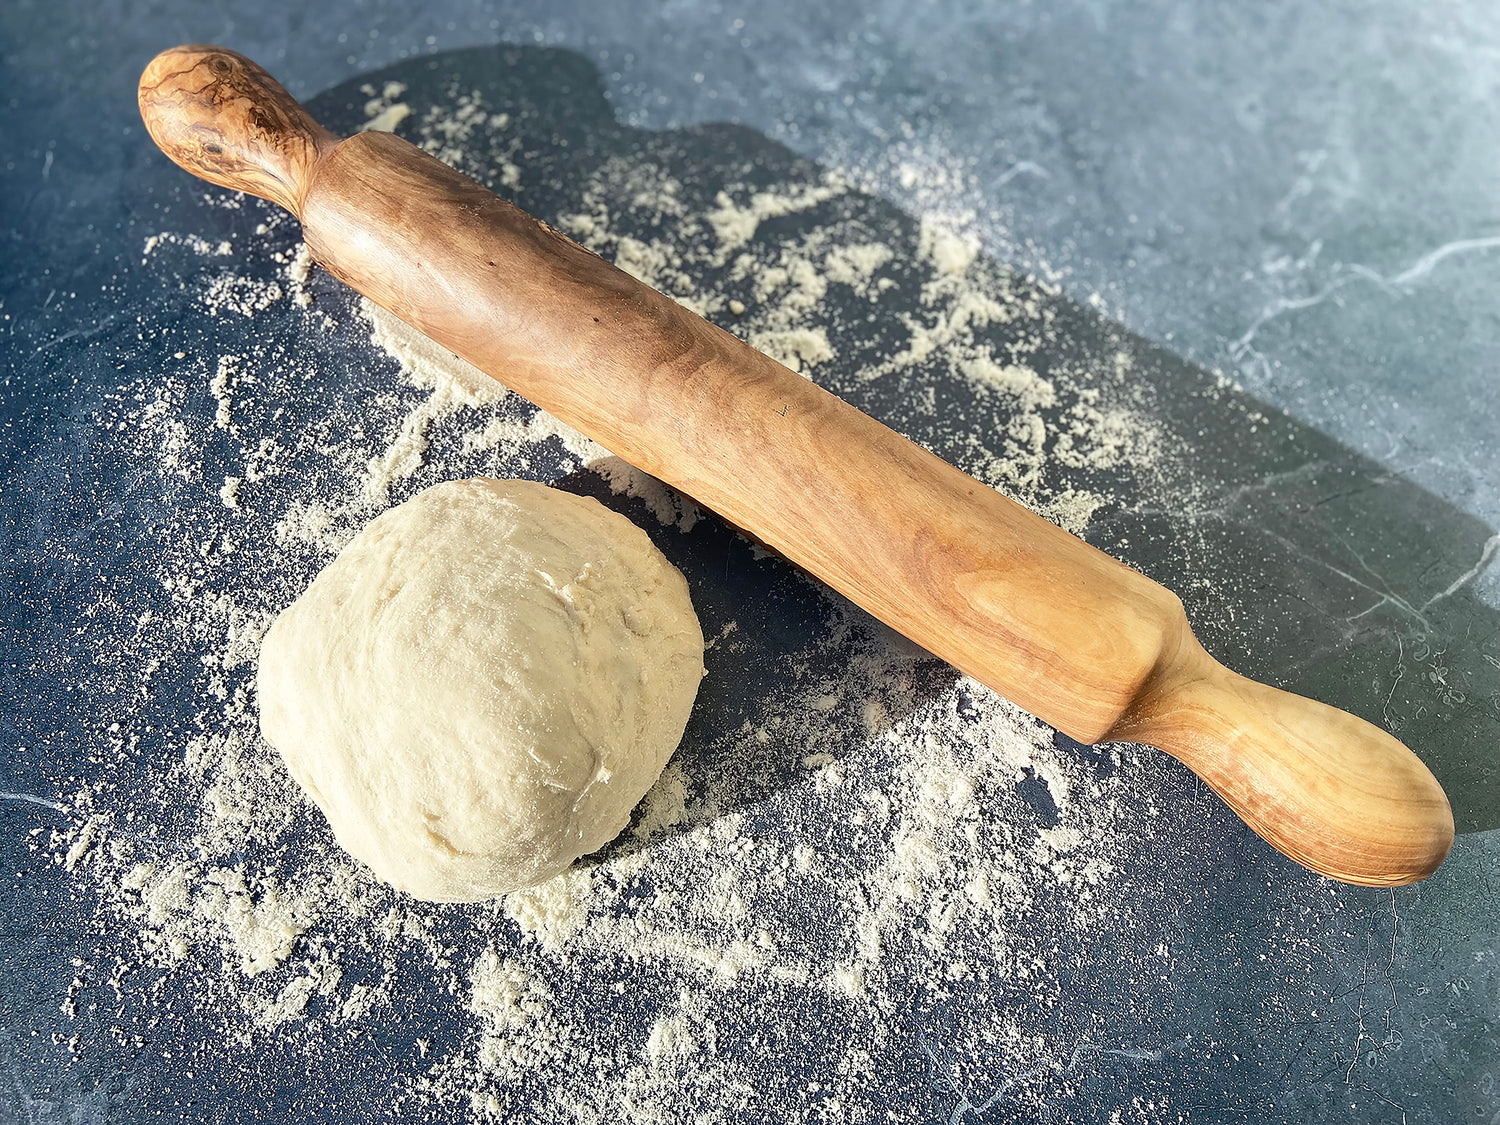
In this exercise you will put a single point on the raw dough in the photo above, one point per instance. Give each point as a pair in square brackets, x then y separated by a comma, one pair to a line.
[482, 685]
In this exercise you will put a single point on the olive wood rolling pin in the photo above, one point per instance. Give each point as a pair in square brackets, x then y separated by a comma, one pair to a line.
[1082, 641]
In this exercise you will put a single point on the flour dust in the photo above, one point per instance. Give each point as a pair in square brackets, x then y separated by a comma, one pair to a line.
[873, 849]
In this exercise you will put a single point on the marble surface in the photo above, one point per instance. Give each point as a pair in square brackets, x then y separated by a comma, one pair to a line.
[1302, 200]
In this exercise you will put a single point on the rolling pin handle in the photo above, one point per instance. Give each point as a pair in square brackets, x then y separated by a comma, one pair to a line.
[221, 117]
[1335, 793]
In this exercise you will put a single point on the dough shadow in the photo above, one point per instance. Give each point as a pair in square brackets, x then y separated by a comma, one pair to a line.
[766, 625]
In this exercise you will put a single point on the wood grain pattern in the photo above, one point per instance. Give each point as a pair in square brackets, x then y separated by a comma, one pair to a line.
[1335, 793]
[968, 574]
[221, 117]
[1073, 636]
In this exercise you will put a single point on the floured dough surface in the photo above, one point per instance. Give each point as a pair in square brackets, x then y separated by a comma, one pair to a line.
[482, 685]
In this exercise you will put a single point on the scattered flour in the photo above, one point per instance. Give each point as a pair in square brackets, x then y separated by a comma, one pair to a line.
[736, 223]
[198, 245]
[383, 113]
[856, 850]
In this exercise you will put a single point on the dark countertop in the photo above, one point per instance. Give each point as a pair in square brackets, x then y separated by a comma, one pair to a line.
[1301, 200]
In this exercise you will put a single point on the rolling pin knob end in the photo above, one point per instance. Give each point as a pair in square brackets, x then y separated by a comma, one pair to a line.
[221, 117]
[1326, 788]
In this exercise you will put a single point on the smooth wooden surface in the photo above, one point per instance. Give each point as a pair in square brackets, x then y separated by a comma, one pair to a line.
[1333, 792]
[966, 573]
[1075, 637]
[225, 119]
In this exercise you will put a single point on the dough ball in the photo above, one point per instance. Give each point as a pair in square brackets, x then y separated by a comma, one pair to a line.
[482, 685]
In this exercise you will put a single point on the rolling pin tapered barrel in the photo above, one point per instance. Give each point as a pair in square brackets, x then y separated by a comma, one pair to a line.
[1076, 638]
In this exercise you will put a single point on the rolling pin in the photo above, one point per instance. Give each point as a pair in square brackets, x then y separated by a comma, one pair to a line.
[1078, 639]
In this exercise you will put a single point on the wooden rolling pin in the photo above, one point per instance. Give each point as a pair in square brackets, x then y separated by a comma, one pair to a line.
[1076, 638]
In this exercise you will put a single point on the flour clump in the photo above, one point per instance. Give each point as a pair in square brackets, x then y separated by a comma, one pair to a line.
[482, 685]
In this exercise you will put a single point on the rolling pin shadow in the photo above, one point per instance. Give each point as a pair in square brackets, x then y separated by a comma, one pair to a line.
[966, 573]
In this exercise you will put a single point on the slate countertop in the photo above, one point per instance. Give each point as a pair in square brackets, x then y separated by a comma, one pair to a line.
[1303, 200]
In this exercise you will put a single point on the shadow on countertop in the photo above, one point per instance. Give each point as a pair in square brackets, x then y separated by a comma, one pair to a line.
[1301, 562]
